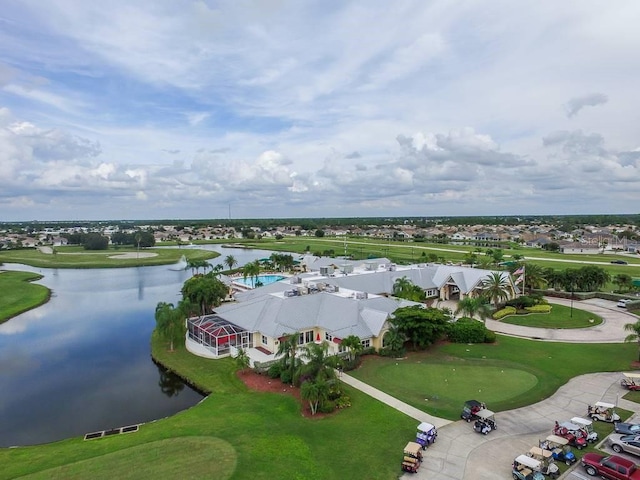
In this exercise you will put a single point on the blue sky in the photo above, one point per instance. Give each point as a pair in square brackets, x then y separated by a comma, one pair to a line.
[275, 108]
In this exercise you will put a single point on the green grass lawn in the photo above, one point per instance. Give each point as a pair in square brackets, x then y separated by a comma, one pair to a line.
[19, 294]
[263, 435]
[77, 257]
[551, 364]
[559, 317]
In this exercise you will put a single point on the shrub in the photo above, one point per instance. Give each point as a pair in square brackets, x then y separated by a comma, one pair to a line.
[275, 370]
[504, 312]
[467, 330]
[490, 337]
[539, 309]
[368, 351]
[327, 406]
[520, 303]
[285, 377]
[343, 401]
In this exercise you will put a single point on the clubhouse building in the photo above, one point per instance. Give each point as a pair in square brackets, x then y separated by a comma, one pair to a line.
[328, 300]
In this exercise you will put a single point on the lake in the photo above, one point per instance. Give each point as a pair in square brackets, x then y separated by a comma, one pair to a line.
[82, 362]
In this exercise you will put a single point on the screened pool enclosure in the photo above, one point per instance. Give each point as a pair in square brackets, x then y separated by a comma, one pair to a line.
[218, 336]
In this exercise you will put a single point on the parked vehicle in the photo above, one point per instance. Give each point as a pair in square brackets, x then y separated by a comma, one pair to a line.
[559, 448]
[470, 410]
[480, 426]
[623, 303]
[426, 435]
[631, 381]
[488, 417]
[611, 467]
[547, 464]
[412, 457]
[572, 433]
[624, 443]
[587, 427]
[605, 412]
[526, 468]
[627, 428]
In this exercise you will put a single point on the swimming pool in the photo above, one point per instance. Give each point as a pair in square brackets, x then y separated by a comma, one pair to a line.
[260, 279]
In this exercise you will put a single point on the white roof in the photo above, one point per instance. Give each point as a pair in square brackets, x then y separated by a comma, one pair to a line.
[605, 405]
[581, 421]
[484, 413]
[558, 439]
[425, 427]
[528, 461]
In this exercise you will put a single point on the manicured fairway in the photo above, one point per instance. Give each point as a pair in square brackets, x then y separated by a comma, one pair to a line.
[19, 294]
[439, 385]
[559, 317]
[207, 457]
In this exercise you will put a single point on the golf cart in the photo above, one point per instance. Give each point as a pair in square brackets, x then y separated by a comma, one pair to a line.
[605, 412]
[572, 433]
[559, 448]
[526, 468]
[587, 427]
[470, 410]
[631, 381]
[547, 464]
[412, 457]
[426, 435]
[487, 417]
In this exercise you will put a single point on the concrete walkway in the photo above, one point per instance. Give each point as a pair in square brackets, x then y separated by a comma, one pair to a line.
[412, 412]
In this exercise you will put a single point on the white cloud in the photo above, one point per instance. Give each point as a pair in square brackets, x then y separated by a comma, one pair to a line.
[302, 109]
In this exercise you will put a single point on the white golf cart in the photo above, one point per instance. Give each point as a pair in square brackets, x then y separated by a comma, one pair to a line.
[603, 411]
[587, 427]
[526, 468]
[547, 465]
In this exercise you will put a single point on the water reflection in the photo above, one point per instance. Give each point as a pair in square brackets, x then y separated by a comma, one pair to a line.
[169, 384]
[81, 362]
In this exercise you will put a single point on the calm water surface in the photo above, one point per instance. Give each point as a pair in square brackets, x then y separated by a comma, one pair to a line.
[81, 362]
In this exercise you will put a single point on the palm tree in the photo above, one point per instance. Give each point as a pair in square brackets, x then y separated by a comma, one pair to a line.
[472, 306]
[168, 322]
[230, 261]
[354, 344]
[535, 277]
[496, 287]
[635, 335]
[217, 268]
[242, 359]
[317, 366]
[394, 340]
[288, 348]
[315, 392]
[251, 270]
[624, 281]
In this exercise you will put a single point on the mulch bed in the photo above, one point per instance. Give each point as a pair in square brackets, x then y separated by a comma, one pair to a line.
[262, 383]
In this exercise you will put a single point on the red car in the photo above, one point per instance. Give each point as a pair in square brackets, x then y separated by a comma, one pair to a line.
[611, 467]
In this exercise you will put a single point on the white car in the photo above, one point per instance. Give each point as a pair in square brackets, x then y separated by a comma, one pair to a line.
[623, 303]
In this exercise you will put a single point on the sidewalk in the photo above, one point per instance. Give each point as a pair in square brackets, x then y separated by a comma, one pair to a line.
[412, 412]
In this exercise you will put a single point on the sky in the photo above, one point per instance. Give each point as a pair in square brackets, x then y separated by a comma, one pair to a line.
[181, 109]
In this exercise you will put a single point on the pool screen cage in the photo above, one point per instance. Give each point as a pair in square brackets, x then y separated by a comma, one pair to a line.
[218, 335]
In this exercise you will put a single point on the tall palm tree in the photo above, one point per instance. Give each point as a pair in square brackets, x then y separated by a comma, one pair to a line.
[534, 277]
[230, 261]
[317, 361]
[635, 335]
[354, 344]
[251, 270]
[168, 322]
[472, 306]
[288, 348]
[496, 287]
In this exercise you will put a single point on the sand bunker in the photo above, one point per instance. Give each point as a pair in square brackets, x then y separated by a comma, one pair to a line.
[130, 255]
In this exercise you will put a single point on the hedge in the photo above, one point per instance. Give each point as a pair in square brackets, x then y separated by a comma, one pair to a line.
[539, 309]
[504, 312]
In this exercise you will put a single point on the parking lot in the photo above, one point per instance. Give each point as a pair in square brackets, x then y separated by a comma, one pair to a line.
[462, 454]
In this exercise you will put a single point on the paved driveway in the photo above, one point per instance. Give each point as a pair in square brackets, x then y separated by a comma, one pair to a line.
[462, 454]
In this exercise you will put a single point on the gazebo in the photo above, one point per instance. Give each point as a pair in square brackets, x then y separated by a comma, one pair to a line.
[218, 336]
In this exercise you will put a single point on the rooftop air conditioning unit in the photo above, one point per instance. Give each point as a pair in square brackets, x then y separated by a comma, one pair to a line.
[361, 295]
